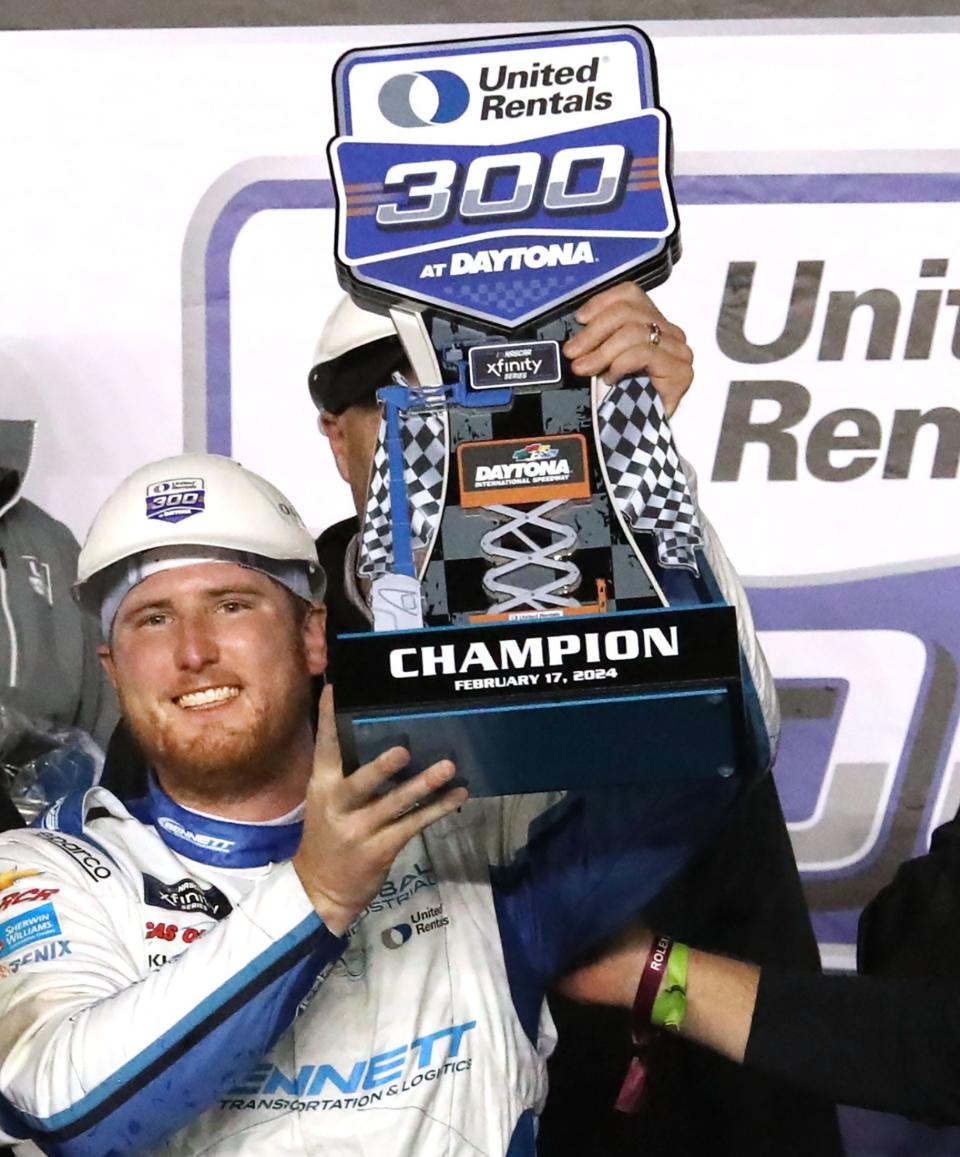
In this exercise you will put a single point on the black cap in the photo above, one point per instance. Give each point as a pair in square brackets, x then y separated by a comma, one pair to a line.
[355, 376]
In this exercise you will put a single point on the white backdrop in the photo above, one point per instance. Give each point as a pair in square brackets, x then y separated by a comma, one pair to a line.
[119, 136]
[127, 157]
[807, 141]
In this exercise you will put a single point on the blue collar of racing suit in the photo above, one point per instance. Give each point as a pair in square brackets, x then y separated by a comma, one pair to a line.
[221, 843]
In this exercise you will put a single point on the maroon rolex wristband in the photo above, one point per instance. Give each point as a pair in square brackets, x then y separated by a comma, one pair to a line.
[650, 980]
[631, 1092]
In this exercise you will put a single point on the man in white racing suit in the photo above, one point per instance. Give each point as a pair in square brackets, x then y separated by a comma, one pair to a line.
[366, 970]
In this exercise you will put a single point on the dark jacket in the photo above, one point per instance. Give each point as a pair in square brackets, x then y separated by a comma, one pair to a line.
[49, 669]
[888, 1039]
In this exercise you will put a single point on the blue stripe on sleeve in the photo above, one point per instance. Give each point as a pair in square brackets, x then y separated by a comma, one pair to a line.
[181, 1074]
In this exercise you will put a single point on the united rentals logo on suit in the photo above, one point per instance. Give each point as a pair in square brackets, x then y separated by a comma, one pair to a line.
[527, 519]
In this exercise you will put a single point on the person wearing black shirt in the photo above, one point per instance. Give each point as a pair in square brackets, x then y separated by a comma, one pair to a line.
[886, 1039]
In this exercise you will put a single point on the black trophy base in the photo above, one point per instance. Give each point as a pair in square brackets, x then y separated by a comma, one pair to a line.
[543, 704]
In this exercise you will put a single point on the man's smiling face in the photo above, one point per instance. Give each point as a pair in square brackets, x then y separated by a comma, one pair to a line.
[212, 665]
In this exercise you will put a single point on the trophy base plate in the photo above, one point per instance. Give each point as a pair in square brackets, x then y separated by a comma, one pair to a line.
[608, 742]
[533, 705]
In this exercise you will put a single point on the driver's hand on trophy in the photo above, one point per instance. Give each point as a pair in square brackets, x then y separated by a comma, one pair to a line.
[625, 334]
[354, 826]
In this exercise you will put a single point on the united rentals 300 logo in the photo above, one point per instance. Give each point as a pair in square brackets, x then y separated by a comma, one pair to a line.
[175, 499]
[567, 166]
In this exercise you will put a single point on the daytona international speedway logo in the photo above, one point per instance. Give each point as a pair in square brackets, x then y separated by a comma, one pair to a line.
[517, 470]
[534, 452]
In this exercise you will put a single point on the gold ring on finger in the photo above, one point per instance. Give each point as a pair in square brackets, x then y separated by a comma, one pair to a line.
[656, 335]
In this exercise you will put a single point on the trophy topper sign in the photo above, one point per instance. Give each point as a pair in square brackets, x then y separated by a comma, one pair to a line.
[502, 179]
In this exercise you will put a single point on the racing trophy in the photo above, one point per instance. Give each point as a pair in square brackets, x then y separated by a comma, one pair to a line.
[541, 611]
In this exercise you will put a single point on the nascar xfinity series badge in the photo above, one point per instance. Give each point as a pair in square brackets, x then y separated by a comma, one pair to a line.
[502, 179]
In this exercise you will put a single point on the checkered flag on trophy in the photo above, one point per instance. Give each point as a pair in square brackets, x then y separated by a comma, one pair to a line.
[424, 437]
[647, 481]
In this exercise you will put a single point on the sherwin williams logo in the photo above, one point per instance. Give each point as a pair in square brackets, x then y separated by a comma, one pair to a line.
[40, 924]
[175, 499]
[414, 100]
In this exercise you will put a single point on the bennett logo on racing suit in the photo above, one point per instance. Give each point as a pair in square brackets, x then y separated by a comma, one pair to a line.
[185, 896]
[94, 868]
[426, 1058]
[200, 839]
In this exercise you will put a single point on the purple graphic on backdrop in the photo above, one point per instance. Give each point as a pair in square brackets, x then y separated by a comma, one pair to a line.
[707, 189]
[923, 606]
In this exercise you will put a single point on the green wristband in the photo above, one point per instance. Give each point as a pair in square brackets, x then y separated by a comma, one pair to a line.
[670, 1007]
